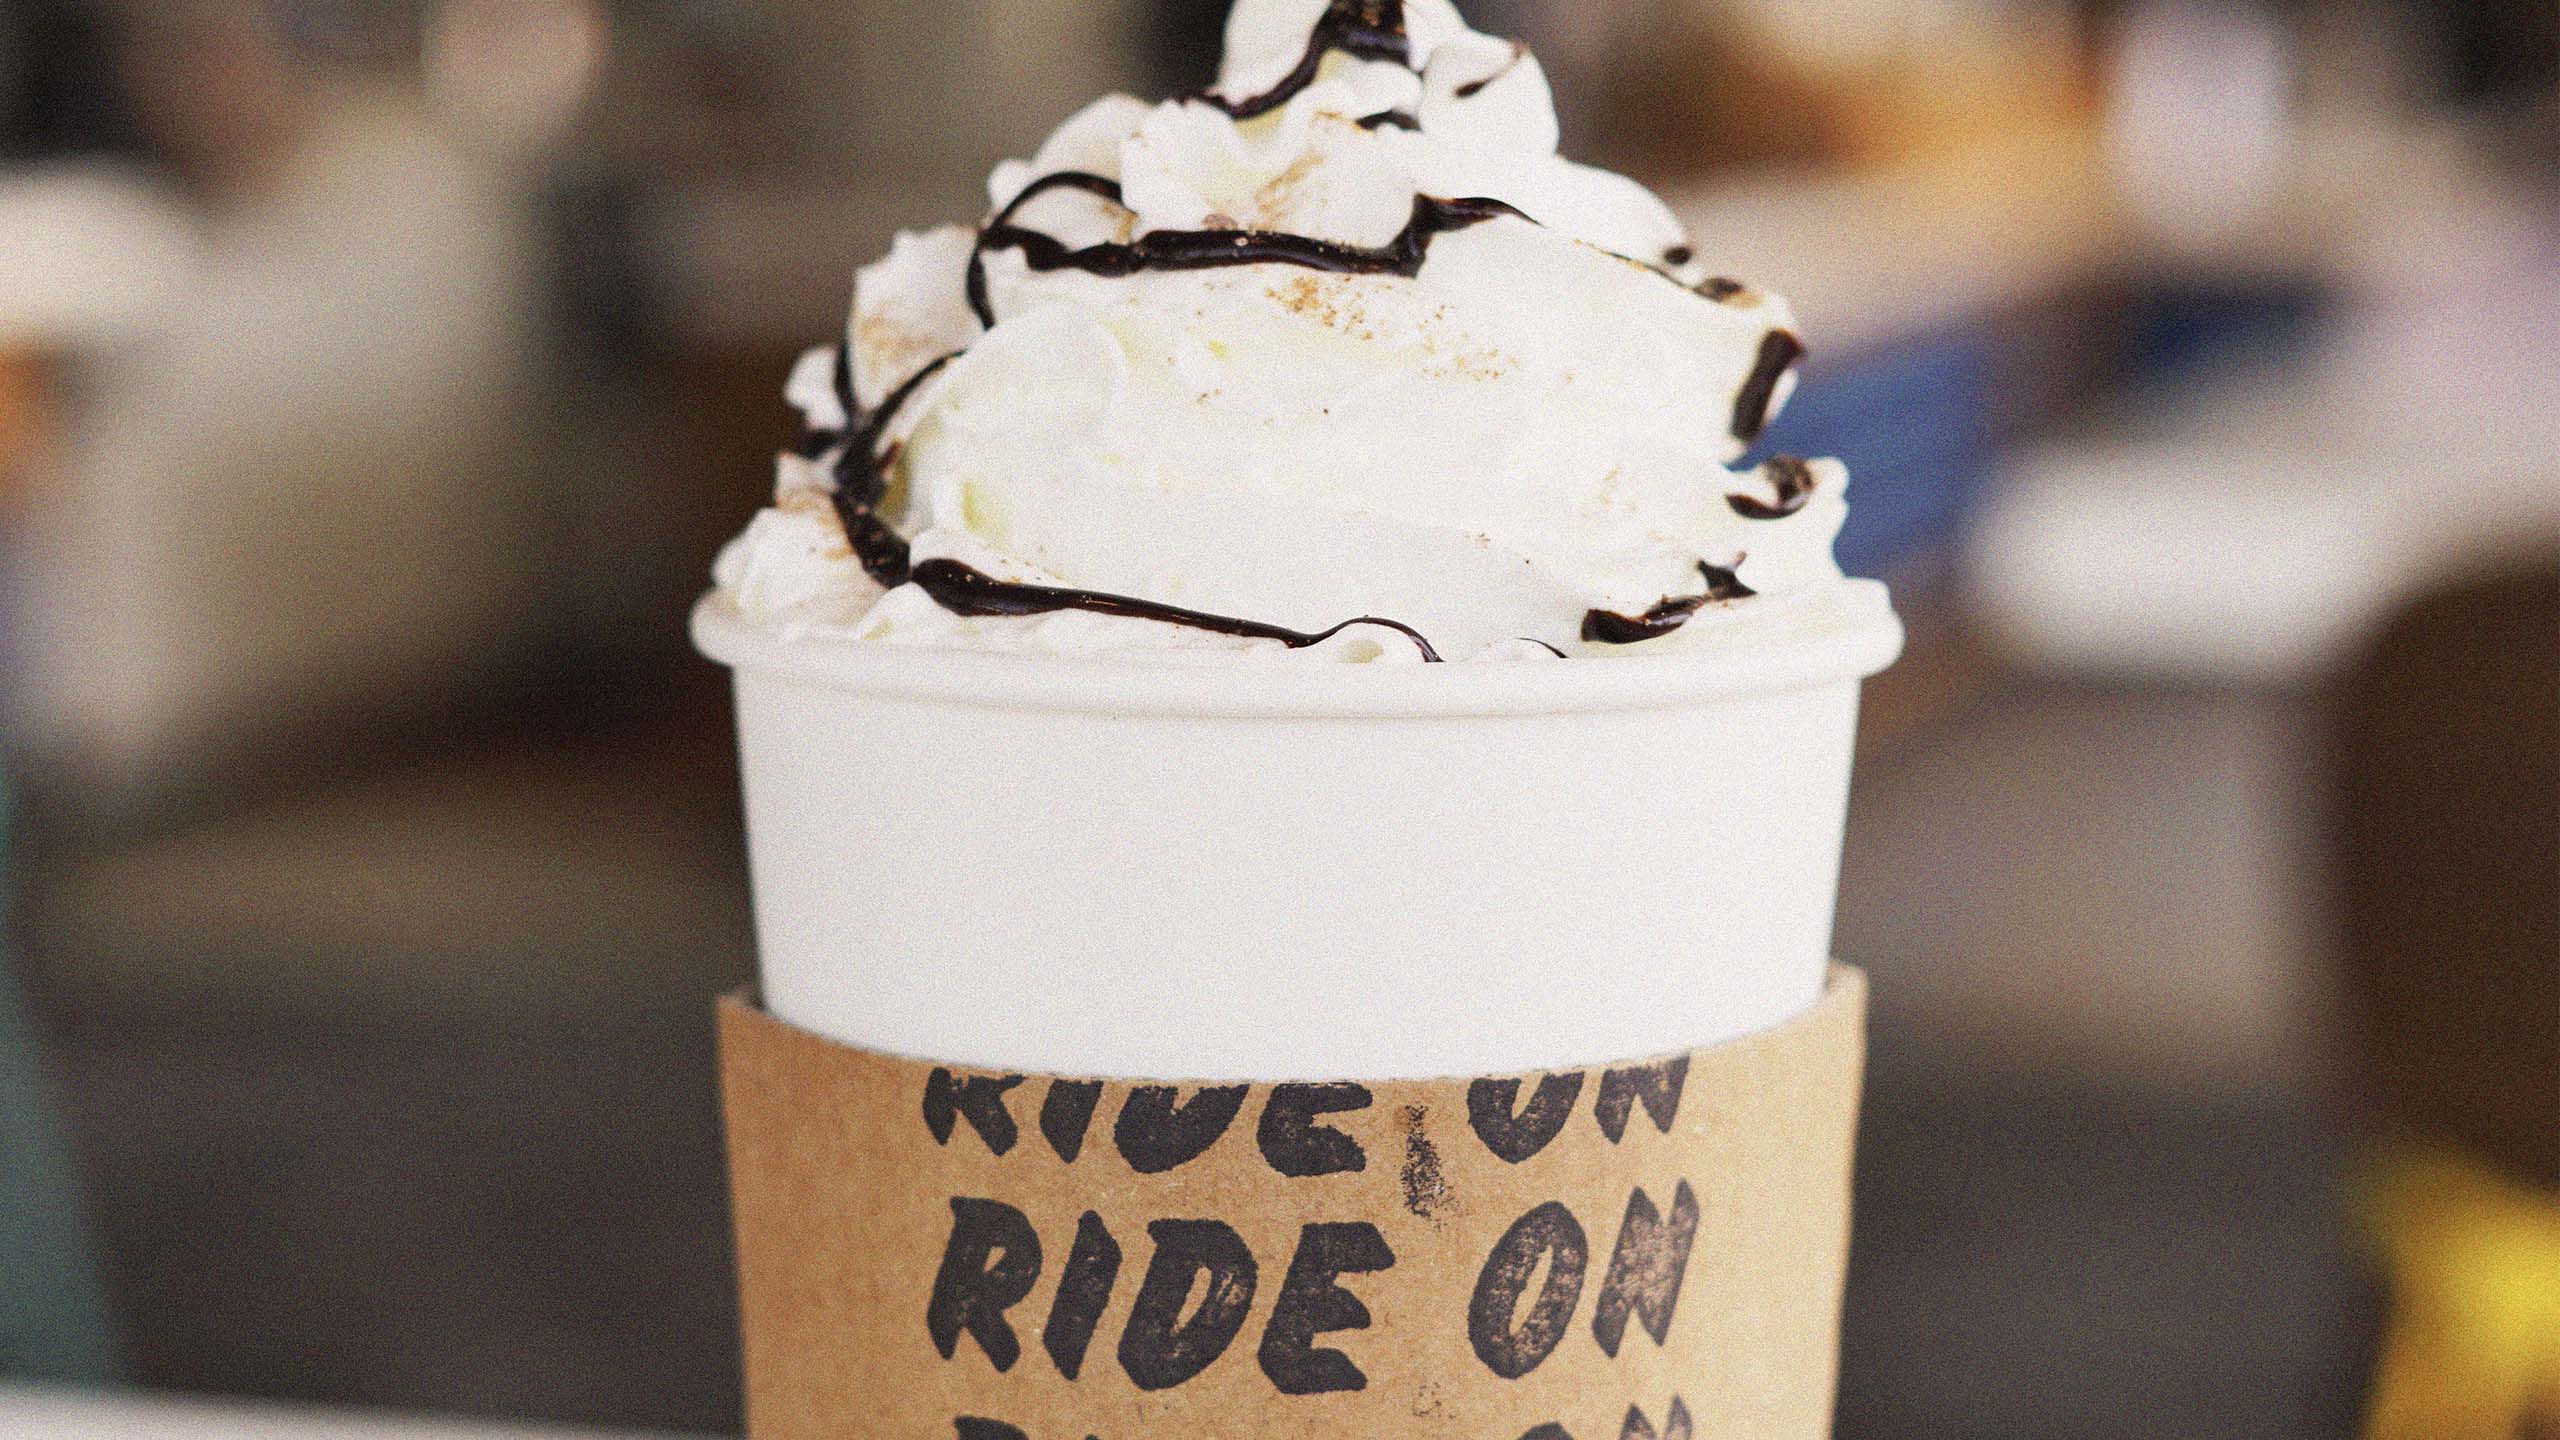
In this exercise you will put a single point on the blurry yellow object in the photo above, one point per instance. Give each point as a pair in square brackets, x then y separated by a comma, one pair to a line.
[1722, 87]
[2474, 1261]
[21, 416]
[1909, 78]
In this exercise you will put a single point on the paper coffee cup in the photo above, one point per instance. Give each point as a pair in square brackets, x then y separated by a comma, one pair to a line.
[1293, 1050]
[1278, 872]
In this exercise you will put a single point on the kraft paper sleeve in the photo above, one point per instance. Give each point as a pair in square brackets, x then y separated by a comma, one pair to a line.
[1632, 1251]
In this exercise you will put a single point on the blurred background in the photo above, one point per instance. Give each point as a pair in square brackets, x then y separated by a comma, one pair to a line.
[378, 377]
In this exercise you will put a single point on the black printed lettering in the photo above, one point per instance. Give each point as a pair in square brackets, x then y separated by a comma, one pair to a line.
[1298, 1147]
[1646, 1269]
[980, 1098]
[1679, 1426]
[974, 1429]
[1067, 1113]
[990, 1264]
[1515, 1137]
[1161, 1349]
[1158, 1131]
[1084, 1288]
[1657, 1087]
[1312, 1303]
[1509, 1343]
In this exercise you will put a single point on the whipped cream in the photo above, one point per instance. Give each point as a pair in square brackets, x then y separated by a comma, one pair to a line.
[1337, 358]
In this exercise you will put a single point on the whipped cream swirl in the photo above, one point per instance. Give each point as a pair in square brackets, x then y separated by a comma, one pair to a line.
[1338, 357]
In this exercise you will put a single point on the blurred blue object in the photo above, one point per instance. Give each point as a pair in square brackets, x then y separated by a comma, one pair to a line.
[53, 1323]
[2179, 331]
[1916, 423]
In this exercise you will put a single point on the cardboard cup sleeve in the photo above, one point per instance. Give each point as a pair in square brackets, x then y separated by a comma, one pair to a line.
[1633, 1251]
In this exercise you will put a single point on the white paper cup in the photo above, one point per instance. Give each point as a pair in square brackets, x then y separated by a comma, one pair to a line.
[1292, 872]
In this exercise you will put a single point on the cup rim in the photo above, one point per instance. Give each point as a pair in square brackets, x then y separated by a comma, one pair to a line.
[1869, 640]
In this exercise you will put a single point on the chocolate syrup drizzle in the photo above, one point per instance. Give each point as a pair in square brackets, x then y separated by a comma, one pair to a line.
[964, 591]
[1780, 352]
[862, 478]
[1606, 627]
[1373, 30]
[1795, 483]
[1474, 88]
[1361, 29]
[1364, 30]
[1213, 249]
[862, 481]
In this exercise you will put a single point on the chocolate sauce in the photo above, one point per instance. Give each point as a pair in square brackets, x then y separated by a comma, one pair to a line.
[1474, 88]
[816, 442]
[1779, 354]
[862, 480]
[1606, 627]
[1719, 288]
[842, 378]
[1369, 30]
[1214, 249]
[1725, 583]
[1361, 29]
[881, 549]
[965, 591]
[1001, 225]
[1795, 483]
